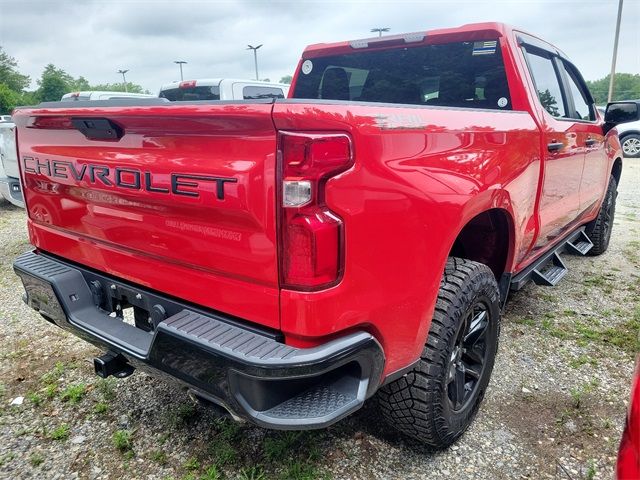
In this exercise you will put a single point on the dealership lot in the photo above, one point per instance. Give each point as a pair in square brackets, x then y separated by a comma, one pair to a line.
[554, 409]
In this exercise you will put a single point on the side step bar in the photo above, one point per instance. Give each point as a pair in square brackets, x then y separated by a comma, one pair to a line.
[549, 269]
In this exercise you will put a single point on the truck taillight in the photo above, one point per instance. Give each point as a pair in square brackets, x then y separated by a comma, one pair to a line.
[311, 235]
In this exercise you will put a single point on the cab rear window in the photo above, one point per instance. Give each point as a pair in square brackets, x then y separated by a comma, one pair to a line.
[191, 94]
[460, 74]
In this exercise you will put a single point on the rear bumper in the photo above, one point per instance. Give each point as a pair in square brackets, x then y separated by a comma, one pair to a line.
[11, 190]
[244, 369]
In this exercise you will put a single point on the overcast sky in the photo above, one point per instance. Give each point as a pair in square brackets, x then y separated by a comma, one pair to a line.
[96, 38]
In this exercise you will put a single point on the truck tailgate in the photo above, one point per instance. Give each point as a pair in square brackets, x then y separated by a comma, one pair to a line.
[180, 199]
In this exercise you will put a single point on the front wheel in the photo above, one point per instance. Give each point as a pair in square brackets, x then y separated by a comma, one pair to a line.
[437, 401]
[631, 145]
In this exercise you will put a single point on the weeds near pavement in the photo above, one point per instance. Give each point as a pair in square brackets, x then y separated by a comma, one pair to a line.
[251, 473]
[60, 433]
[36, 459]
[182, 415]
[107, 388]
[73, 393]
[578, 393]
[159, 457]
[122, 440]
[191, 464]
[35, 398]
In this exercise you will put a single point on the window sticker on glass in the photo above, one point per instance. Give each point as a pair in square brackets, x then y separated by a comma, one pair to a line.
[307, 66]
[484, 48]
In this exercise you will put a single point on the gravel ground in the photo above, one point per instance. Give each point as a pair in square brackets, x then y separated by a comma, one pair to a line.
[555, 406]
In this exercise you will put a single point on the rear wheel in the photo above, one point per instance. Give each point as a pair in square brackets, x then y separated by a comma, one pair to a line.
[599, 230]
[437, 401]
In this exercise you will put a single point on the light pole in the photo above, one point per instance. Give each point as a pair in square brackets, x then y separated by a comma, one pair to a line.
[380, 30]
[615, 53]
[124, 80]
[255, 57]
[180, 62]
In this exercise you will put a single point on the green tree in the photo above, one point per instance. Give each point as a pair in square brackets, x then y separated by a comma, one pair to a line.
[117, 87]
[626, 86]
[9, 74]
[54, 83]
[9, 99]
[286, 79]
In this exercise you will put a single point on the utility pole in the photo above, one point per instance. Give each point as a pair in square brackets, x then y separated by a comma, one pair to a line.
[124, 80]
[380, 30]
[255, 57]
[615, 52]
[180, 62]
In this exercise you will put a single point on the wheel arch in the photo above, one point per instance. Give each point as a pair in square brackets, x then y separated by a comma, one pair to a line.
[489, 238]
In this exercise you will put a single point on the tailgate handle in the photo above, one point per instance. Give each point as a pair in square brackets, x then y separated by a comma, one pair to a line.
[98, 128]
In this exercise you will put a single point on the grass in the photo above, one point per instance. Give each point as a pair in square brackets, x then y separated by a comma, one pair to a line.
[60, 433]
[52, 376]
[35, 398]
[73, 393]
[583, 360]
[3, 390]
[36, 459]
[100, 408]
[251, 473]
[159, 457]
[192, 464]
[107, 388]
[212, 473]
[578, 393]
[122, 440]
[182, 415]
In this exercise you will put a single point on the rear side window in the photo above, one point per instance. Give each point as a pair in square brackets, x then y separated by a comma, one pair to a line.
[253, 92]
[191, 94]
[461, 74]
[547, 84]
[582, 109]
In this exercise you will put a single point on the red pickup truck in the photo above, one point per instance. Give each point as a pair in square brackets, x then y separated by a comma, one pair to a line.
[288, 258]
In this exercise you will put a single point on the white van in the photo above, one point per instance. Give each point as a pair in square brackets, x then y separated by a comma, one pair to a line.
[222, 89]
[83, 96]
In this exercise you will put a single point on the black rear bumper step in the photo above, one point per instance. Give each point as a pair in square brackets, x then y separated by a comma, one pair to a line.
[251, 373]
[549, 269]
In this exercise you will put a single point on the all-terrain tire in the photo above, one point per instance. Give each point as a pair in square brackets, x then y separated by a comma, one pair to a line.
[599, 230]
[419, 404]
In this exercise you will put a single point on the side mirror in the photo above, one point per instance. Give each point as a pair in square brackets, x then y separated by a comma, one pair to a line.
[621, 112]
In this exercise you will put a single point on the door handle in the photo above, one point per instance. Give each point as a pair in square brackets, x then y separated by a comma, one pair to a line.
[555, 146]
[590, 142]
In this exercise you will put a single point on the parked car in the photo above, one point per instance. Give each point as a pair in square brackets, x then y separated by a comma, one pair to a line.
[101, 95]
[288, 259]
[5, 118]
[222, 89]
[629, 134]
[10, 188]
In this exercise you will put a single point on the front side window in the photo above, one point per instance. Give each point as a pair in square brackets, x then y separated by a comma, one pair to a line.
[460, 74]
[547, 84]
[253, 92]
[582, 109]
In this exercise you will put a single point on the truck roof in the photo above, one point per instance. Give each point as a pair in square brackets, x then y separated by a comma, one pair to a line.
[469, 31]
